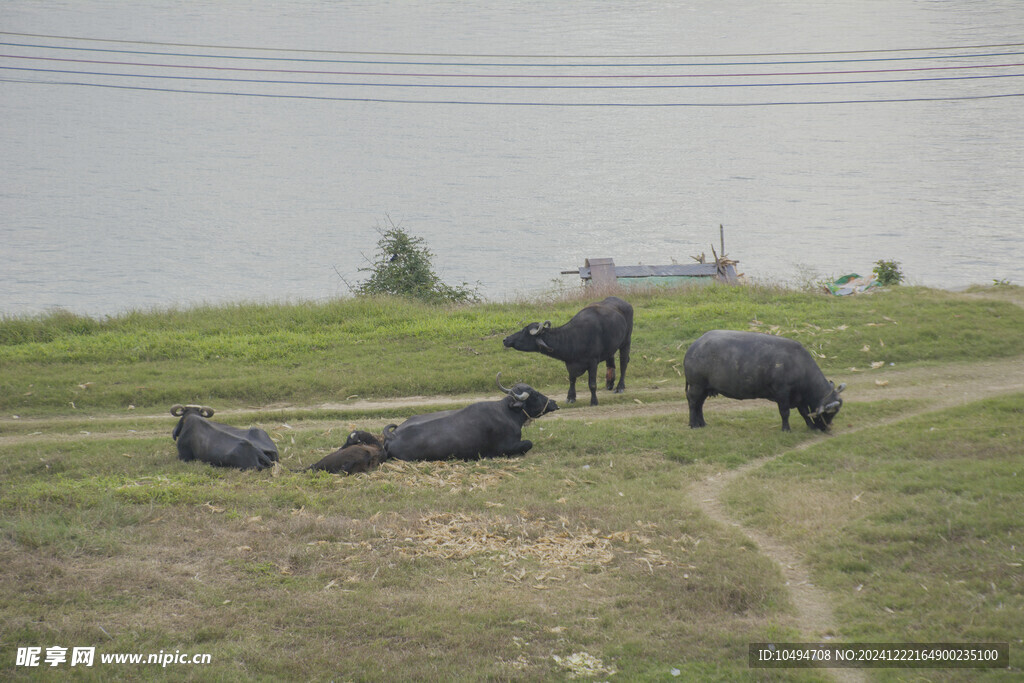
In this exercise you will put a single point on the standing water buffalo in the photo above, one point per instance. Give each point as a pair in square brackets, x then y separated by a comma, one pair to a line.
[218, 444]
[361, 452]
[486, 429]
[592, 336]
[754, 365]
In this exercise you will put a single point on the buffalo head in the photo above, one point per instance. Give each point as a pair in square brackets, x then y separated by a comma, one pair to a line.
[530, 338]
[529, 400]
[178, 410]
[361, 437]
[828, 408]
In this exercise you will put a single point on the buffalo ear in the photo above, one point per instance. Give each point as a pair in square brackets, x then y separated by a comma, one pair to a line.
[518, 400]
[544, 346]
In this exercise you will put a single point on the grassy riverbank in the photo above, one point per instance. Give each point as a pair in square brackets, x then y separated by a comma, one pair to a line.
[253, 355]
[593, 550]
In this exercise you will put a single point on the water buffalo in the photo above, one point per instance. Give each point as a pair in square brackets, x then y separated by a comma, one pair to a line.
[486, 429]
[218, 444]
[361, 452]
[593, 335]
[754, 365]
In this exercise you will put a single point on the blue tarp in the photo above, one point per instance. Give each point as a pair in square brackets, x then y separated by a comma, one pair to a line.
[851, 284]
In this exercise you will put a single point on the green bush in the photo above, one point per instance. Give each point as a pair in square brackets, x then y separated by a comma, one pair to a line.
[888, 272]
[402, 267]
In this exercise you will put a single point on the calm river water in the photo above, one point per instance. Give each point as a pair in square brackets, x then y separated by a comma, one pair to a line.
[169, 153]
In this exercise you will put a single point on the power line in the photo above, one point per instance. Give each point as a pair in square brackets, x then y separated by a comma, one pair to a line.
[506, 75]
[512, 56]
[529, 64]
[502, 79]
[660, 86]
[530, 104]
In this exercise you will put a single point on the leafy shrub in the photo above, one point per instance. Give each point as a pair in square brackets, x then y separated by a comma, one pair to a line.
[888, 272]
[402, 267]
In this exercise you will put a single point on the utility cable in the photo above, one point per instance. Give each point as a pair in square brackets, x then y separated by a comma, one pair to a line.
[951, 98]
[505, 75]
[659, 86]
[520, 55]
[520, 64]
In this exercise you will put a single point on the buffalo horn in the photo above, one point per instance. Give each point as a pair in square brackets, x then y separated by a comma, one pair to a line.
[177, 410]
[541, 328]
[519, 397]
[206, 411]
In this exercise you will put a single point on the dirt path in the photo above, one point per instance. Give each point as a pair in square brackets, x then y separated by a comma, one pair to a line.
[957, 382]
[968, 381]
[814, 609]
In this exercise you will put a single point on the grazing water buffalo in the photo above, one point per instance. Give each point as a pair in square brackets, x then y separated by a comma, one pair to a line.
[486, 429]
[218, 444]
[754, 365]
[361, 452]
[592, 336]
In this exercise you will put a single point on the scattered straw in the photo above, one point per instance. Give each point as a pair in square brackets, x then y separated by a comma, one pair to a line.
[583, 664]
[552, 543]
[456, 476]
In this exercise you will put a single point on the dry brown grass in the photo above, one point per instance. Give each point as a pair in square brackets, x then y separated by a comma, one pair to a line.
[555, 545]
[451, 476]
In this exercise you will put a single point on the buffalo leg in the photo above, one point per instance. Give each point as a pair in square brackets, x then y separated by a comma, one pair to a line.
[695, 397]
[806, 414]
[265, 460]
[518, 449]
[571, 396]
[623, 361]
[243, 455]
[609, 373]
[592, 382]
[784, 412]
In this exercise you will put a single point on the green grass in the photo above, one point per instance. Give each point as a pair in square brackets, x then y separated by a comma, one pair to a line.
[260, 354]
[906, 514]
[914, 527]
[233, 563]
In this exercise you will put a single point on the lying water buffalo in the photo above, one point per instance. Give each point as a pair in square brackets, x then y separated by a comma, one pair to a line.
[218, 444]
[592, 336]
[754, 365]
[486, 429]
[361, 452]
